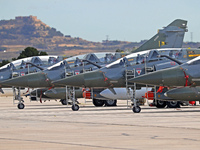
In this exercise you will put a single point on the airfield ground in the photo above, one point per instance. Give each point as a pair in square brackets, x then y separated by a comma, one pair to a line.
[51, 125]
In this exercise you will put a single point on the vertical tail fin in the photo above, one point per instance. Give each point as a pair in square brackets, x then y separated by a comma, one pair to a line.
[169, 37]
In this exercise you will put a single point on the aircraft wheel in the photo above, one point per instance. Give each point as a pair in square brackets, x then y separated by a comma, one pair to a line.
[63, 101]
[111, 103]
[98, 103]
[136, 109]
[161, 104]
[20, 106]
[75, 107]
[173, 104]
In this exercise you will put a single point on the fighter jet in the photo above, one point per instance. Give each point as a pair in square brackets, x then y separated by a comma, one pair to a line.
[20, 67]
[25, 66]
[185, 76]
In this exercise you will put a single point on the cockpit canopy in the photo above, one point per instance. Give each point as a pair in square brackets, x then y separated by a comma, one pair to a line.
[9, 66]
[152, 55]
[131, 59]
[91, 57]
[104, 57]
[37, 60]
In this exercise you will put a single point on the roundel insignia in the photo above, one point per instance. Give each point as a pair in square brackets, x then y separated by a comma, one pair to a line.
[138, 72]
[76, 72]
[22, 73]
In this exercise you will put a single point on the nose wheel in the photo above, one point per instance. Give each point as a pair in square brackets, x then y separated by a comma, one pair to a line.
[136, 109]
[20, 106]
[75, 107]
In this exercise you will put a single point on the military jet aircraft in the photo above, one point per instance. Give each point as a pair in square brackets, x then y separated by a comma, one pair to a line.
[21, 68]
[186, 77]
[175, 30]
[186, 74]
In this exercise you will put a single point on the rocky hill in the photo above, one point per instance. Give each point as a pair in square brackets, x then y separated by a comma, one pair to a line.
[21, 32]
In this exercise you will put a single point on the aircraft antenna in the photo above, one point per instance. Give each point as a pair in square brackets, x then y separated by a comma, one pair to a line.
[107, 38]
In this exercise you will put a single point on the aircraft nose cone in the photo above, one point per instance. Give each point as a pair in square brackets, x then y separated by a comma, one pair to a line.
[17, 82]
[88, 79]
[30, 80]
[166, 77]
[76, 80]
[154, 78]
[48, 93]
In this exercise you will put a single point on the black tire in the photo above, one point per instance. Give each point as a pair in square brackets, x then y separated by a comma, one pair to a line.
[98, 103]
[173, 104]
[75, 107]
[136, 109]
[161, 104]
[111, 103]
[63, 101]
[20, 106]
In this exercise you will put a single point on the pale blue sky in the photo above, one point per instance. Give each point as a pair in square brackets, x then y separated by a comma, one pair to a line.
[129, 20]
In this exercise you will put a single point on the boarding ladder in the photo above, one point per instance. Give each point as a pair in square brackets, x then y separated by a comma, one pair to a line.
[70, 95]
[90, 93]
[17, 90]
[130, 74]
[70, 91]
[17, 95]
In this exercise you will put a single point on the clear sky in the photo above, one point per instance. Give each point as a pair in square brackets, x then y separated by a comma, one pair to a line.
[125, 20]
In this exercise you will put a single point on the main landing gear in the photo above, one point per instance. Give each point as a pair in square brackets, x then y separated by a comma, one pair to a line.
[100, 103]
[173, 104]
[63, 101]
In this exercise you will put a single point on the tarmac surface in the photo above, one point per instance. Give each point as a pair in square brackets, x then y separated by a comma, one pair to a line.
[51, 125]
